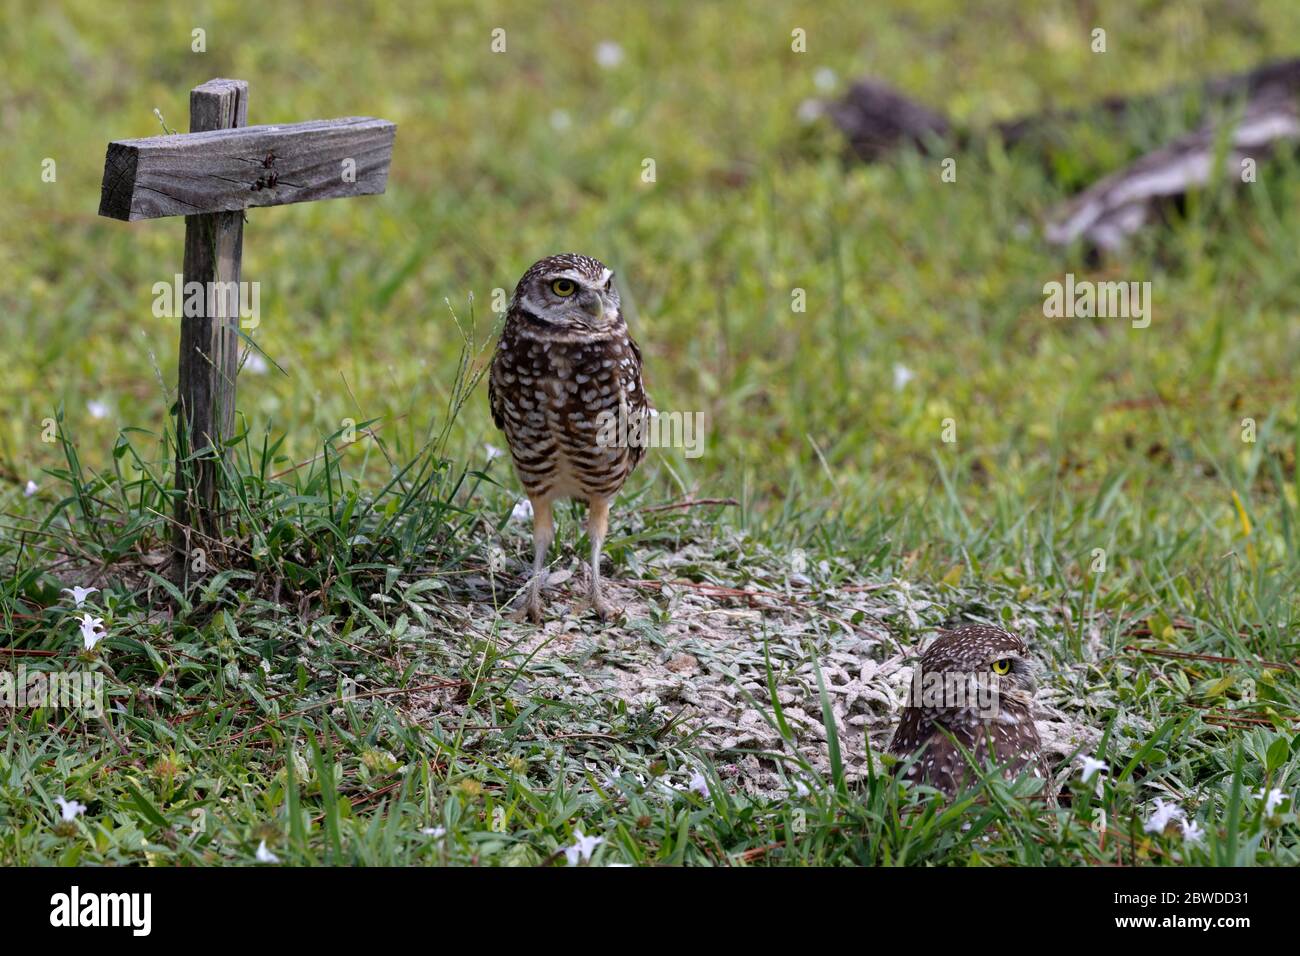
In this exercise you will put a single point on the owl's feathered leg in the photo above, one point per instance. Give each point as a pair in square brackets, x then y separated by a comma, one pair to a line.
[597, 526]
[543, 535]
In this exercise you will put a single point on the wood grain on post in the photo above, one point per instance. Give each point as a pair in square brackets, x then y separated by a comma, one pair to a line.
[181, 174]
[205, 409]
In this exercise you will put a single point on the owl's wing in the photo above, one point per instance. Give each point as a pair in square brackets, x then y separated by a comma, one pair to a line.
[640, 376]
[915, 740]
[494, 401]
[913, 731]
[632, 387]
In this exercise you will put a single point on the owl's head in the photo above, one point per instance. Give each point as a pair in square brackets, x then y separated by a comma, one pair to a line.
[570, 292]
[991, 656]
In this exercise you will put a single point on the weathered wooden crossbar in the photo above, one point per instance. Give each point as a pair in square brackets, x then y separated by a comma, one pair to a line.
[235, 169]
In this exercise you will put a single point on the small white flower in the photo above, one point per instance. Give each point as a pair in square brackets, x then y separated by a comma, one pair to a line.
[522, 511]
[801, 789]
[79, 594]
[1091, 766]
[608, 54]
[493, 452]
[582, 848]
[434, 831]
[97, 409]
[92, 631]
[560, 120]
[810, 111]
[902, 375]
[264, 855]
[29, 489]
[698, 784]
[614, 778]
[825, 79]
[1193, 832]
[1272, 799]
[70, 809]
[1163, 815]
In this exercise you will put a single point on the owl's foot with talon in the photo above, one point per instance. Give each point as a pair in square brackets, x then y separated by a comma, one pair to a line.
[530, 611]
[604, 610]
[607, 613]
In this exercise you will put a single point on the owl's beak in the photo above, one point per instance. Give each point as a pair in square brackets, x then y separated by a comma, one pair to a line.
[1028, 680]
[592, 302]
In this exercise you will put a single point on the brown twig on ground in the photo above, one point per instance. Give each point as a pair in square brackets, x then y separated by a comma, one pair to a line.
[690, 503]
[1210, 658]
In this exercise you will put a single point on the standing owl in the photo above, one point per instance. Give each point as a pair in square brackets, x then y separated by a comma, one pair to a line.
[564, 371]
[974, 685]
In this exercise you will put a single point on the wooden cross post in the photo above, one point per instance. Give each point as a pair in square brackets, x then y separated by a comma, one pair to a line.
[210, 175]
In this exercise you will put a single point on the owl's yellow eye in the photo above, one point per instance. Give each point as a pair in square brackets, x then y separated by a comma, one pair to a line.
[563, 287]
[1003, 666]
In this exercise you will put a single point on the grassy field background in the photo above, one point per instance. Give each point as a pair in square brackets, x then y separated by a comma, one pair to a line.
[1073, 435]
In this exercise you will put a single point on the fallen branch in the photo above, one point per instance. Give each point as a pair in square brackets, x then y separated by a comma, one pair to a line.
[1211, 658]
[690, 503]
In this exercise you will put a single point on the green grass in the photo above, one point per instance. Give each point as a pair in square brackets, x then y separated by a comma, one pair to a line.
[1073, 435]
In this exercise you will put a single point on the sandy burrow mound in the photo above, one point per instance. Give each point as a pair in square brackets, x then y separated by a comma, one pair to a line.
[703, 653]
